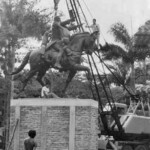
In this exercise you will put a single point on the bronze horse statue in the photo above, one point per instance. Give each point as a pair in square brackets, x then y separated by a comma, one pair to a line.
[79, 43]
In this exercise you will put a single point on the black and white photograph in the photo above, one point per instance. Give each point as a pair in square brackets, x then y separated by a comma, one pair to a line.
[74, 75]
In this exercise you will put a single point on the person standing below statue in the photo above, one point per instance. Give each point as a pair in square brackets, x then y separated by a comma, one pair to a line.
[60, 35]
[95, 28]
[29, 143]
[47, 91]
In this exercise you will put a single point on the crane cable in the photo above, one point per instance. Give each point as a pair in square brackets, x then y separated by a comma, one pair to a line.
[92, 56]
[90, 62]
[100, 105]
[100, 79]
[88, 9]
[114, 111]
[99, 54]
[96, 87]
[99, 98]
[113, 74]
[115, 115]
[107, 81]
[92, 18]
[84, 15]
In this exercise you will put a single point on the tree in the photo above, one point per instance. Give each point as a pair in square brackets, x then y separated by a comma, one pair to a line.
[142, 40]
[18, 21]
[126, 52]
[120, 73]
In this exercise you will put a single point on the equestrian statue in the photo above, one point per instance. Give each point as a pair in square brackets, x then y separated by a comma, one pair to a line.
[62, 53]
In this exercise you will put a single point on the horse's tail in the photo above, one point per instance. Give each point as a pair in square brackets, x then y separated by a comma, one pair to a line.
[24, 62]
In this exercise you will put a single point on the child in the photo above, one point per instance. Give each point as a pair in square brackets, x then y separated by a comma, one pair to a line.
[29, 143]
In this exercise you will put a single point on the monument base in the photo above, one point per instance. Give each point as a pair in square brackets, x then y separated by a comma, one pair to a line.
[61, 124]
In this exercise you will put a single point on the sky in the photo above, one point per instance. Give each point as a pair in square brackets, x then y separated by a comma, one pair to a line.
[132, 13]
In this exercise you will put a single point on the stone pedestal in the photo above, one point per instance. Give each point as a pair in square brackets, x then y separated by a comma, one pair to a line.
[61, 124]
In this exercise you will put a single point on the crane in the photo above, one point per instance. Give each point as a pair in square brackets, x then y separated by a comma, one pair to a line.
[129, 130]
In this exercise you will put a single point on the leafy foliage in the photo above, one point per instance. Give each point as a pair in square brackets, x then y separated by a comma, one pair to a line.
[19, 21]
[118, 94]
[120, 71]
[142, 36]
[113, 52]
[128, 53]
[121, 34]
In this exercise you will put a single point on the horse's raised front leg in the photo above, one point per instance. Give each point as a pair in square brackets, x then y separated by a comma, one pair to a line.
[70, 77]
[79, 67]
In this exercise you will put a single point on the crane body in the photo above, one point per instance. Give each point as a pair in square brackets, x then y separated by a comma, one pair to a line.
[135, 122]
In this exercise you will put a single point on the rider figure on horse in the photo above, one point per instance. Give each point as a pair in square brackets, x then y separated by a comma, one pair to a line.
[60, 36]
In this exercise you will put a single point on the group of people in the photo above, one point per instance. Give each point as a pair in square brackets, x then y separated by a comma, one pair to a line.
[60, 34]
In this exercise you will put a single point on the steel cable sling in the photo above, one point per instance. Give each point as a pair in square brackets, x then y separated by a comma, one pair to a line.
[100, 105]
[115, 116]
[96, 87]
[98, 55]
[92, 58]
[131, 95]
[87, 54]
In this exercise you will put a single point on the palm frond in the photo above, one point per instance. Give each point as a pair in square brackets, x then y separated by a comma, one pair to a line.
[113, 51]
[121, 34]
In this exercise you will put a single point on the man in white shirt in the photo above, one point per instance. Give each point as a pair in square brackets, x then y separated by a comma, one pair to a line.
[47, 93]
[95, 28]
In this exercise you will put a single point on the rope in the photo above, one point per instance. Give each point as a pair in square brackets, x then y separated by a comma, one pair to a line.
[114, 112]
[76, 9]
[96, 87]
[100, 105]
[92, 18]
[88, 9]
[116, 118]
[75, 15]
[99, 98]
[107, 81]
[114, 75]
[67, 5]
[106, 94]
[84, 15]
